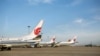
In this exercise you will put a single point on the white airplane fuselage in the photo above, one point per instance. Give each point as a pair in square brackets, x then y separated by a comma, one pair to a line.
[31, 38]
[49, 43]
[66, 43]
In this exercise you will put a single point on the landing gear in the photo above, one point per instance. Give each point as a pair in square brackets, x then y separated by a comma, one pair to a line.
[37, 46]
[53, 45]
[5, 48]
[9, 48]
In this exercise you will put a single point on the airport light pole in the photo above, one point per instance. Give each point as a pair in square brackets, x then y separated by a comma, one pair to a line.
[28, 29]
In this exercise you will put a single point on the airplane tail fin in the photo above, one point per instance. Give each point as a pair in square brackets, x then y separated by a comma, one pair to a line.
[73, 40]
[36, 31]
[53, 39]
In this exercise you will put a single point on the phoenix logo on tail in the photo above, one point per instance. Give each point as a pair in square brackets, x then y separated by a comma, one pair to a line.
[69, 42]
[49, 43]
[73, 40]
[37, 31]
[33, 37]
[52, 39]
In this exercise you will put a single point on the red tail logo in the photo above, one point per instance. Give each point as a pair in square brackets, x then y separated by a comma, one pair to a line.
[69, 40]
[53, 39]
[74, 39]
[37, 30]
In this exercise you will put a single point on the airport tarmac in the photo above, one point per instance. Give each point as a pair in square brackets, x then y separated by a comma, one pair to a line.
[59, 51]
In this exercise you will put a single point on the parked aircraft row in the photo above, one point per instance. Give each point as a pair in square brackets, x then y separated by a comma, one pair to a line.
[54, 43]
[32, 40]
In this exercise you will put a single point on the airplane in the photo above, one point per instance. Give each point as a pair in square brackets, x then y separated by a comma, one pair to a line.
[49, 43]
[30, 39]
[67, 43]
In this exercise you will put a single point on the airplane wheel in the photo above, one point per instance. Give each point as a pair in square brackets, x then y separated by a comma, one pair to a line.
[40, 46]
[35, 46]
[9, 48]
[3, 48]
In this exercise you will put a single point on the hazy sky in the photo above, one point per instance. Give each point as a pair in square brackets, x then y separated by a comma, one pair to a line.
[62, 18]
